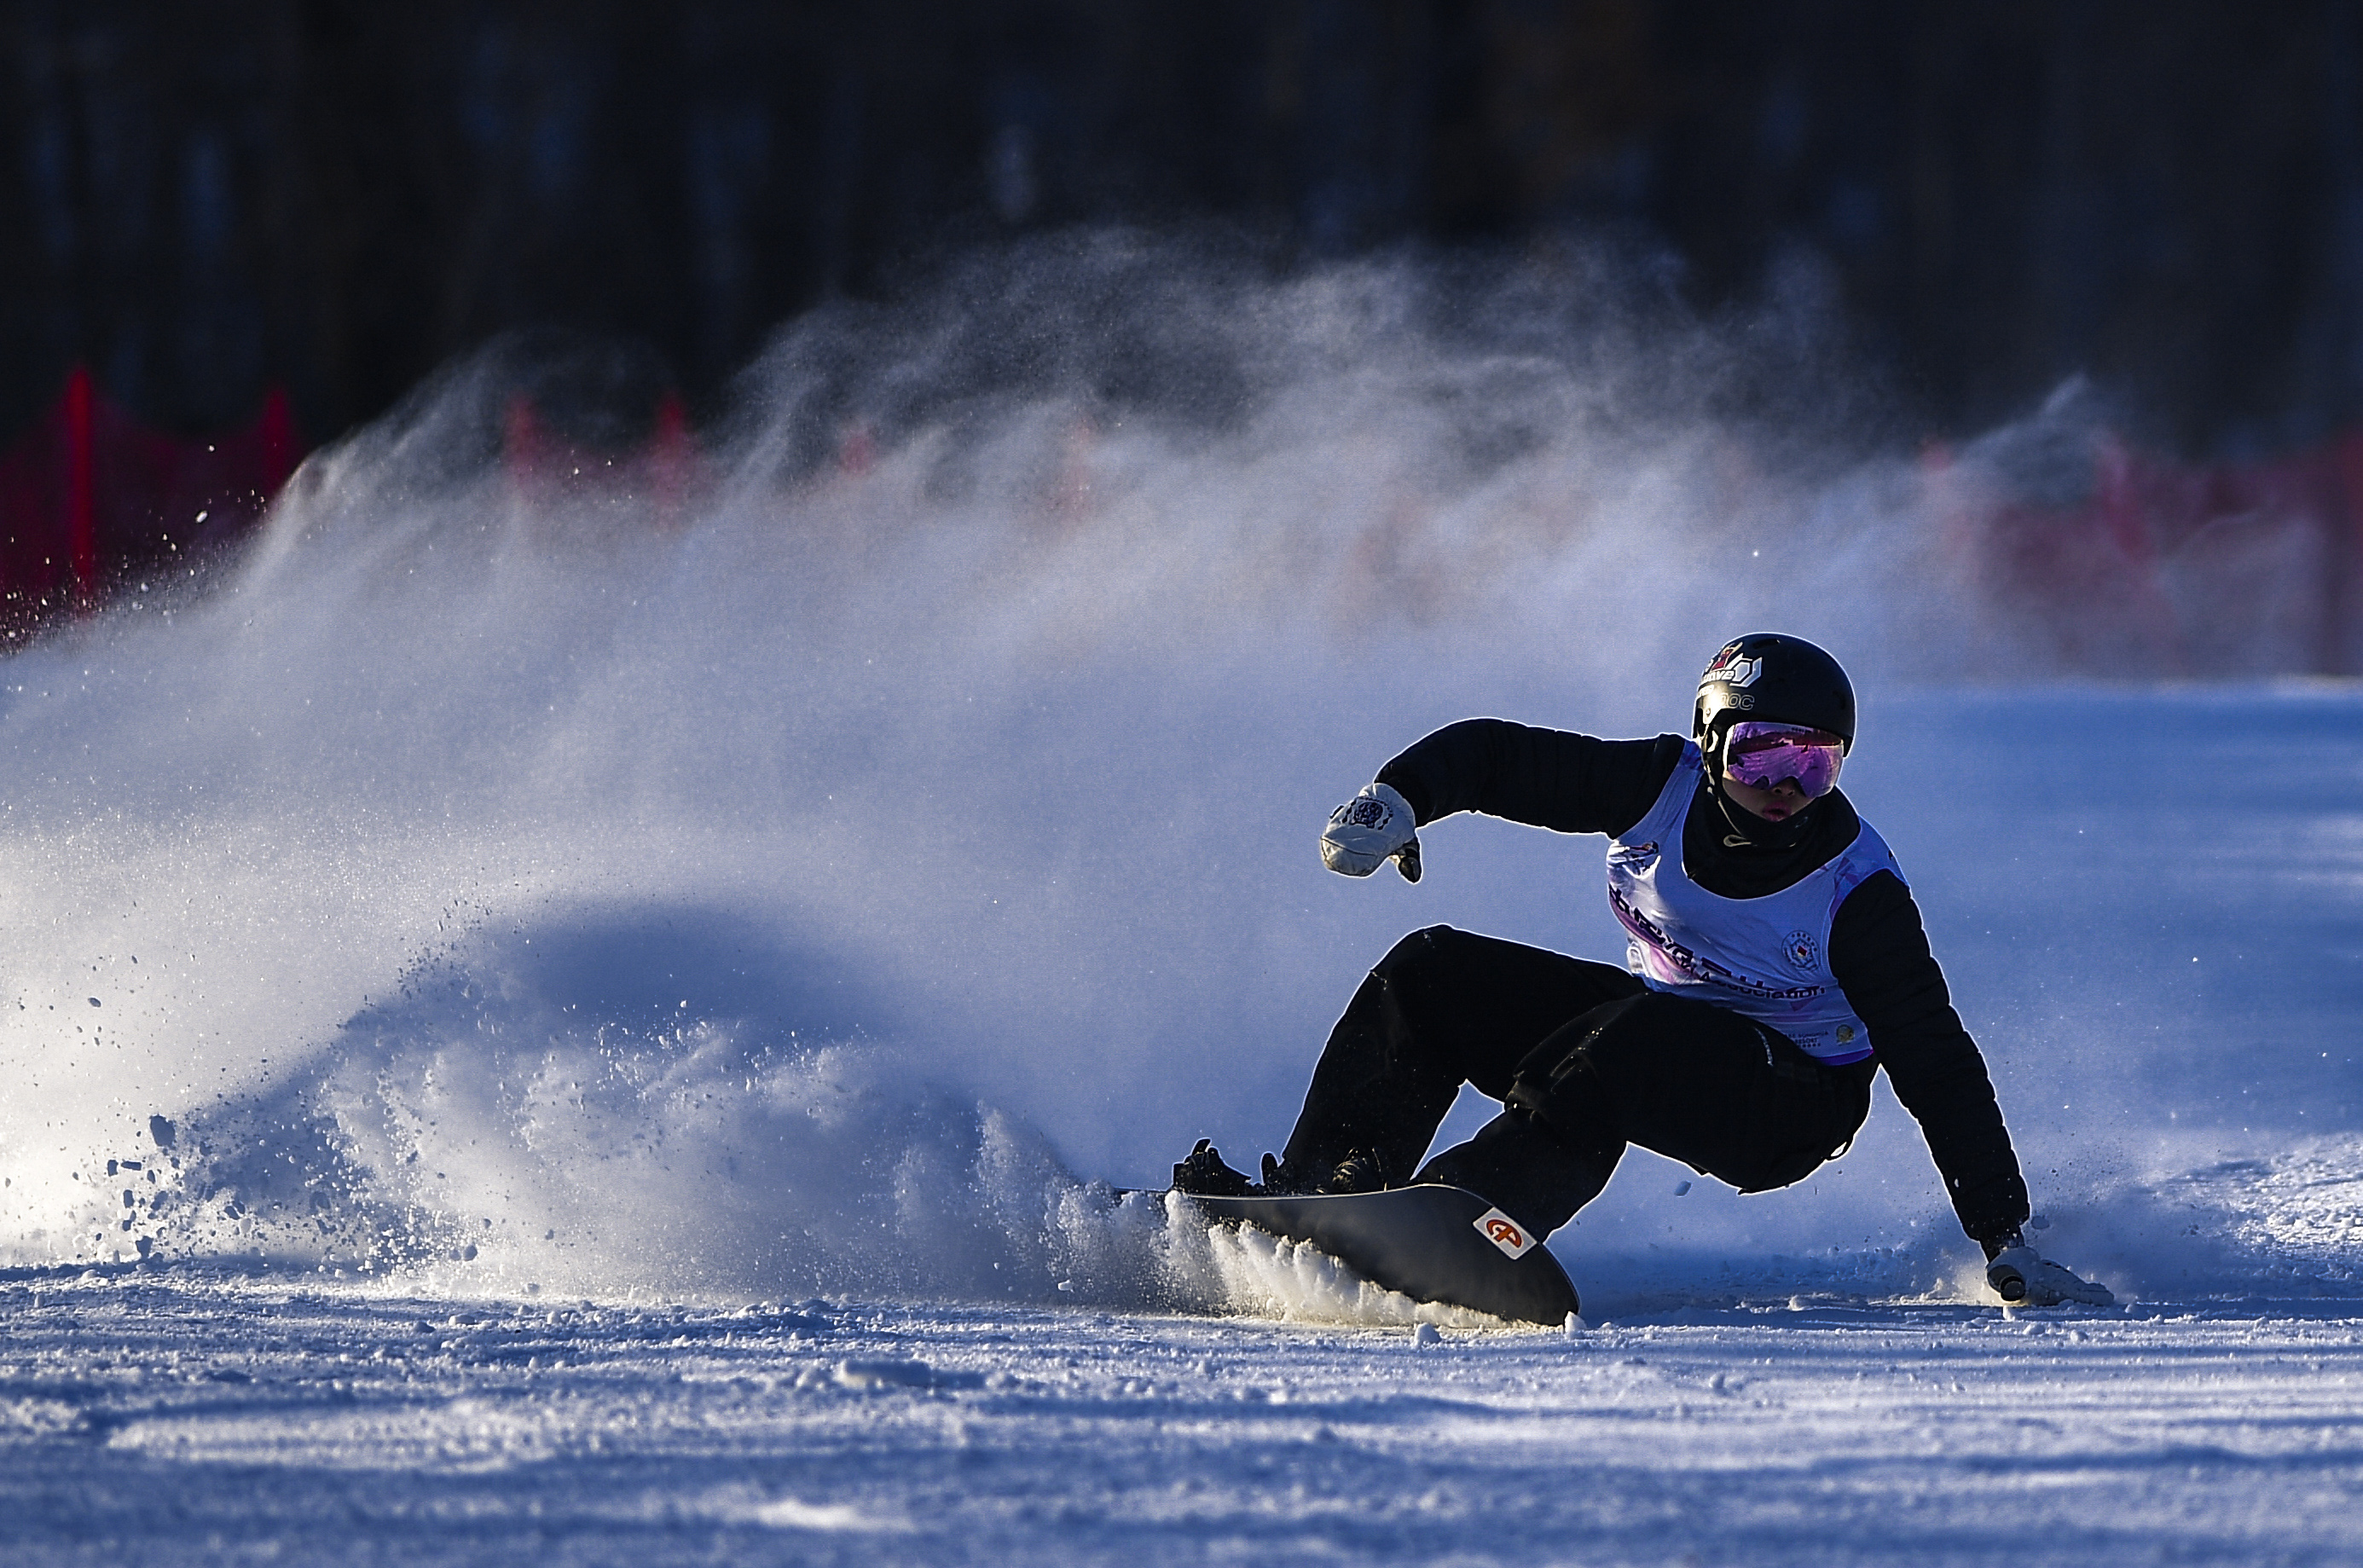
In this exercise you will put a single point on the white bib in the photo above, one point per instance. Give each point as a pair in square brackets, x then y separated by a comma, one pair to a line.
[1766, 958]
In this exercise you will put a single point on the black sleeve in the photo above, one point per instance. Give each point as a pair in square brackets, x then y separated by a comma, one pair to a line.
[1878, 952]
[1548, 778]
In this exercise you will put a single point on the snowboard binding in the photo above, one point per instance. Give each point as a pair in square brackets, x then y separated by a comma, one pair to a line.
[1201, 1173]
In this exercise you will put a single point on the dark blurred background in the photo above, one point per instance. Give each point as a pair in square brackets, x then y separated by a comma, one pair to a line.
[209, 197]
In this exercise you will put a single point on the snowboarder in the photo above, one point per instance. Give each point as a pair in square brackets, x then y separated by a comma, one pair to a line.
[1775, 961]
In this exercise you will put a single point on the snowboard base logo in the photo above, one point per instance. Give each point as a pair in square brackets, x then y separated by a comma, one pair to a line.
[1504, 1233]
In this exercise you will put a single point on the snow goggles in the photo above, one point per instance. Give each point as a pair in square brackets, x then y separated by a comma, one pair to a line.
[1762, 754]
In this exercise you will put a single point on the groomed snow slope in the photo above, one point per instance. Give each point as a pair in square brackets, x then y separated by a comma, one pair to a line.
[189, 1420]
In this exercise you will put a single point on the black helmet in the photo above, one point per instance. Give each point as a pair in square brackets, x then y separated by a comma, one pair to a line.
[1783, 679]
[1764, 676]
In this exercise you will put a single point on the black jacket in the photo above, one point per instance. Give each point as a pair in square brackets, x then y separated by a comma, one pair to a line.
[1879, 951]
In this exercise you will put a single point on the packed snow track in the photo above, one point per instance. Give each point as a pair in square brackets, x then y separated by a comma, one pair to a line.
[186, 1420]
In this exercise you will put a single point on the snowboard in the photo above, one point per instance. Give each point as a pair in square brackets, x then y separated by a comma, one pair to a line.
[1431, 1242]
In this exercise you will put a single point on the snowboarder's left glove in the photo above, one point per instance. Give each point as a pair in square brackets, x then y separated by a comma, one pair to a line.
[2022, 1277]
[1368, 829]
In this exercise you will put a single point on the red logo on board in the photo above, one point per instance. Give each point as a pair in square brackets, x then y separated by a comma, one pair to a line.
[1504, 1232]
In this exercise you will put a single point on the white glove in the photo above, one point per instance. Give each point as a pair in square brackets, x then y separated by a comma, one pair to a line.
[1367, 831]
[2022, 1277]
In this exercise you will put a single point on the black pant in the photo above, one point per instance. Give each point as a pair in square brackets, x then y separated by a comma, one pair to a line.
[1586, 1060]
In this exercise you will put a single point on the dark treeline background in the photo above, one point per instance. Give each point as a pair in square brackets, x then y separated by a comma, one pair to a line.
[202, 198]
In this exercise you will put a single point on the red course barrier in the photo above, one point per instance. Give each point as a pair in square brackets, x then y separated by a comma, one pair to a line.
[93, 503]
[2160, 569]
[2167, 570]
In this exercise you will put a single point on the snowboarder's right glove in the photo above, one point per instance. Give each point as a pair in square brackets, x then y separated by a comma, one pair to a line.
[2022, 1277]
[1368, 829]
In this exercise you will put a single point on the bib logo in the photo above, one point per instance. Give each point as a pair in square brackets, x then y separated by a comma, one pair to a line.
[1638, 856]
[1803, 950]
[1504, 1232]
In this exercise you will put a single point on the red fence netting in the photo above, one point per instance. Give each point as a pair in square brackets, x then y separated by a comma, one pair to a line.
[2154, 568]
[91, 501]
[2165, 568]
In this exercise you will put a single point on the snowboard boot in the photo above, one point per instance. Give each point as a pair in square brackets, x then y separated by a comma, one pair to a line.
[1203, 1173]
[1359, 1171]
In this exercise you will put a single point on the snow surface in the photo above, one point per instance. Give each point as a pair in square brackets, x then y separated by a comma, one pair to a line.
[612, 1040]
[192, 1420]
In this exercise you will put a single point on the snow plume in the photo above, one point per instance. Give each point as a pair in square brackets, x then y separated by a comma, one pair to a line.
[810, 868]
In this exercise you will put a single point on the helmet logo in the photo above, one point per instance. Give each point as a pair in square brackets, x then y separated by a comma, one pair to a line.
[1731, 669]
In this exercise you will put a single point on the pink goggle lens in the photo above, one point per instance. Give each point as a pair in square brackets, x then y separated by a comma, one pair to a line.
[1762, 754]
